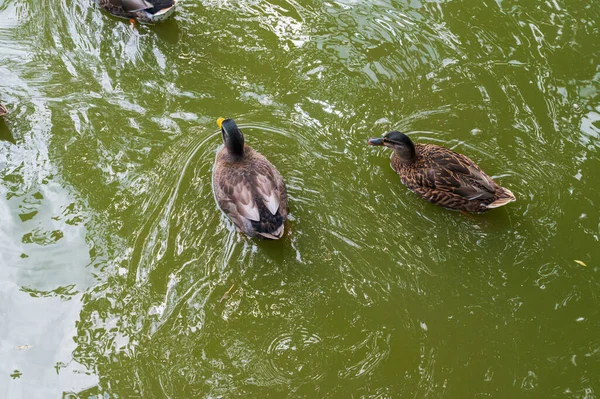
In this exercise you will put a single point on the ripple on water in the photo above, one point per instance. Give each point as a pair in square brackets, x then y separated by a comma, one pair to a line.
[290, 358]
[370, 353]
[364, 260]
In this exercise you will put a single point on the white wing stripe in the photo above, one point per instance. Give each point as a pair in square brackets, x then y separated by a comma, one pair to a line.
[250, 211]
[272, 202]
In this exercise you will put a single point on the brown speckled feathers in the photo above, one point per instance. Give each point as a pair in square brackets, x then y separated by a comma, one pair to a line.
[251, 192]
[3, 110]
[451, 180]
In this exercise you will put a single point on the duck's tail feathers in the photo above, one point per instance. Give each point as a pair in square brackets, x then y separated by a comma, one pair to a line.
[276, 235]
[504, 197]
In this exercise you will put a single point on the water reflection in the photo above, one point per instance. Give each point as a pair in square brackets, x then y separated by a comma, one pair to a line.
[5, 134]
[372, 292]
[184, 256]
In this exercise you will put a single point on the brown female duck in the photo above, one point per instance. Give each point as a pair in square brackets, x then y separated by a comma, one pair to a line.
[442, 176]
[247, 186]
[141, 10]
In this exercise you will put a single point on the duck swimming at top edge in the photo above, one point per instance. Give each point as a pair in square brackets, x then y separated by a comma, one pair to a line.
[141, 10]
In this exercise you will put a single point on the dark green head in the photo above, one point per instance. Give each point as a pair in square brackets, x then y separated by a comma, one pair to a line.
[399, 142]
[233, 138]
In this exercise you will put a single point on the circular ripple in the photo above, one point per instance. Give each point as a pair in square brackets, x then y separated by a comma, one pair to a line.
[293, 356]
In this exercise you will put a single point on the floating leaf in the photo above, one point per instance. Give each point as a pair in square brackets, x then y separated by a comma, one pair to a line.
[226, 295]
[580, 262]
[23, 347]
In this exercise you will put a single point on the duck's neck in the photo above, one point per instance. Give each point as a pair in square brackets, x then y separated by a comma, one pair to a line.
[406, 154]
[235, 148]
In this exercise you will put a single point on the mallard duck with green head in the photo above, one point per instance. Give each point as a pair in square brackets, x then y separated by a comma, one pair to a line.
[442, 176]
[247, 187]
[141, 10]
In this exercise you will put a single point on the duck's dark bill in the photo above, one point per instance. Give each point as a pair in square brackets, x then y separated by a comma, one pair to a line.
[378, 141]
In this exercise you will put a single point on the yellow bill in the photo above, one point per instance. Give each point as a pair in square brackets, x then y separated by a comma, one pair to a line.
[220, 122]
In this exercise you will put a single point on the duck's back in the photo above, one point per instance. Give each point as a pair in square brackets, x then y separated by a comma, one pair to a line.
[251, 192]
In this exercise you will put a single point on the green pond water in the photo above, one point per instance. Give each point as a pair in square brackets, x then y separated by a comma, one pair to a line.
[120, 278]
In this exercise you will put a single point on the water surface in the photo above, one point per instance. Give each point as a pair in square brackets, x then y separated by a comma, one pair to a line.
[119, 276]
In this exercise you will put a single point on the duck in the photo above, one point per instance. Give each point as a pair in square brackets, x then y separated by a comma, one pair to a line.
[247, 187]
[140, 10]
[3, 110]
[442, 176]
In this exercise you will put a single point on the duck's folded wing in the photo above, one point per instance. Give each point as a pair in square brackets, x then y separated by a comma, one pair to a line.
[133, 5]
[282, 194]
[266, 186]
[456, 173]
[234, 196]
